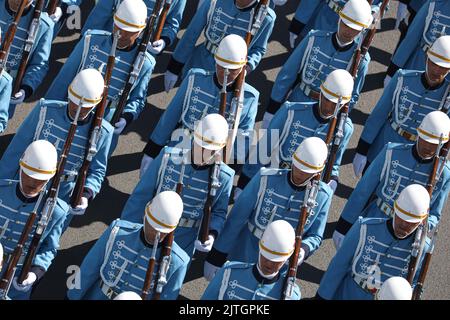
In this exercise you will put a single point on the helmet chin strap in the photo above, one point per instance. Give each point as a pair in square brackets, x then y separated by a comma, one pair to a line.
[21, 186]
[393, 227]
[267, 276]
[304, 183]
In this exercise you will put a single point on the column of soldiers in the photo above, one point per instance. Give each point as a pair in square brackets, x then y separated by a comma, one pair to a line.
[56, 163]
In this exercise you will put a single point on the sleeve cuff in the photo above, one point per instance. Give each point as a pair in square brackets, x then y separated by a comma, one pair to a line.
[363, 147]
[335, 178]
[38, 271]
[214, 233]
[167, 41]
[305, 247]
[296, 26]
[128, 116]
[243, 181]
[152, 149]
[28, 91]
[392, 69]
[88, 194]
[343, 226]
[216, 258]
[273, 106]
[174, 66]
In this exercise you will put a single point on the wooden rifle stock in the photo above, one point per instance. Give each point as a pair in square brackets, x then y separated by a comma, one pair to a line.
[150, 268]
[51, 8]
[162, 20]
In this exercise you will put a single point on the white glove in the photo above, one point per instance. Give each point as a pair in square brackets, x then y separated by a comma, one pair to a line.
[387, 80]
[402, 12]
[301, 257]
[206, 246]
[80, 209]
[119, 126]
[156, 47]
[337, 239]
[359, 162]
[292, 38]
[57, 15]
[266, 120]
[333, 185]
[26, 284]
[237, 193]
[145, 163]
[169, 80]
[280, 2]
[18, 97]
[209, 270]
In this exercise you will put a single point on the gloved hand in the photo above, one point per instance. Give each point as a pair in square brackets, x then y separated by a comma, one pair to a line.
[237, 193]
[280, 2]
[387, 80]
[402, 12]
[18, 98]
[156, 47]
[209, 270]
[169, 80]
[119, 126]
[301, 257]
[266, 120]
[333, 185]
[26, 284]
[55, 17]
[145, 163]
[359, 162]
[80, 209]
[206, 246]
[292, 38]
[337, 239]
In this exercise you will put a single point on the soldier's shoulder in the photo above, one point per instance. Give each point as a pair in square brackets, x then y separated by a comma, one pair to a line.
[372, 221]
[409, 73]
[237, 265]
[175, 152]
[198, 72]
[250, 91]
[179, 254]
[398, 146]
[150, 59]
[5, 183]
[54, 104]
[273, 171]
[227, 170]
[319, 33]
[6, 76]
[324, 187]
[107, 126]
[299, 106]
[45, 20]
[271, 15]
[97, 33]
[126, 225]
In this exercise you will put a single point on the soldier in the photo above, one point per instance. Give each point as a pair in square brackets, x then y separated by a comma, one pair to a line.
[37, 66]
[432, 21]
[274, 194]
[100, 18]
[404, 103]
[50, 120]
[119, 259]
[397, 166]
[395, 288]
[295, 121]
[197, 167]
[262, 280]
[218, 18]
[376, 249]
[320, 53]
[18, 199]
[5, 95]
[92, 51]
[200, 94]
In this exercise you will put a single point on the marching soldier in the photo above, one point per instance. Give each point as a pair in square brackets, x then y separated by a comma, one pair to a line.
[18, 199]
[5, 95]
[405, 102]
[395, 288]
[218, 18]
[376, 249]
[196, 168]
[119, 259]
[397, 166]
[200, 94]
[296, 121]
[274, 194]
[92, 51]
[320, 53]
[432, 21]
[100, 18]
[50, 120]
[262, 280]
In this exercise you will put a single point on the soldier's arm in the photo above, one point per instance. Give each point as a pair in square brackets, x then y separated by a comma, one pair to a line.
[100, 16]
[348, 131]
[258, 46]
[304, 13]
[173, 21]
[5, 95]
[213, 288]
[438, 202]
[172, 289]
[359, 81]
[340, 265]
[220, 207]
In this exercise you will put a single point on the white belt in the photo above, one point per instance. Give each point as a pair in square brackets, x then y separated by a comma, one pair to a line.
[306, 88]
[189, 223]
[334, 6]
[405, 134]
[211, 47]
[383, 206]
[425, 47]
[108, 291]
[257, 232]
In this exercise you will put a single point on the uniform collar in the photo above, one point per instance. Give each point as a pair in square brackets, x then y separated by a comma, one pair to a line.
[417, 157]
[145, 242]
[337, 46]
[230, 87]
[248, 8]
[197, 167]
[23, 198]
[317, 114]
[261, 279]
[12, 13]
[293, 186]
[391, 231]
[427, 86]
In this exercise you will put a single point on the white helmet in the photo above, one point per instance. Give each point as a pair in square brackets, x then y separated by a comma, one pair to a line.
[211, 132]
[310, 155]
[439, 52]
[39, 160]
[131, 15]
[128, 295]
[433, 126]
[164, 212]
[395, 288]
[87, 85]
[412, 204]
[339, 83]
[357, 14]
[232, 52]
[278, 241]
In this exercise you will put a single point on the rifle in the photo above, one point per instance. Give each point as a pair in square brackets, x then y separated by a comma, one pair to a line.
[96, 128]
[150, 268]
[329, 139]
[50, 201]
[9, 36]
[309, 202]
[5, 282]
[32, 33]
[162, 20]
[164, 260]
[138, 62]
[52, 5]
